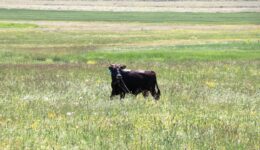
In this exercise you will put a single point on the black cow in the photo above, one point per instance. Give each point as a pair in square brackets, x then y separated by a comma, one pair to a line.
[133, 82]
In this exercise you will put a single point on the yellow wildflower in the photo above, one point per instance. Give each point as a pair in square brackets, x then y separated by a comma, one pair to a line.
[51, 115]
[35, 125]
[91, 62]
[210, 84]
[253, 113]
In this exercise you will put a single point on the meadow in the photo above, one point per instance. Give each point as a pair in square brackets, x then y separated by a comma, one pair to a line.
[55, 85]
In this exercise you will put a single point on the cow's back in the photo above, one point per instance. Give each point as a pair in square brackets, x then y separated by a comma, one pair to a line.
[139, 79]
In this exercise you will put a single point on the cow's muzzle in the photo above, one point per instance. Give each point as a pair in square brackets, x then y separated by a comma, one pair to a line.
[119, 76]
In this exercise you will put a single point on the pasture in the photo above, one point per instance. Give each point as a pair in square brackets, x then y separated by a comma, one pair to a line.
[55, 85]
[137, 5]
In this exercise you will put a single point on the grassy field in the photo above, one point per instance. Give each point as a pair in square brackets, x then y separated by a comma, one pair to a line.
[148, 17]
[55, 85]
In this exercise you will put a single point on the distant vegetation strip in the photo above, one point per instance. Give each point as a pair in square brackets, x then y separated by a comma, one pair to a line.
[208, 52]
[17, 25]
[146, 17]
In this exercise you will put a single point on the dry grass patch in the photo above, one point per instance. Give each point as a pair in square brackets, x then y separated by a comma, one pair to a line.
[120, 27]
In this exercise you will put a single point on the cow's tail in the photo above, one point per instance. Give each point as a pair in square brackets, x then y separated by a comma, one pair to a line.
[158, 92]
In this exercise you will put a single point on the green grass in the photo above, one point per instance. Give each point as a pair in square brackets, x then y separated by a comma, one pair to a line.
[205, 52]
[55, 87]
[208, 52]
[36, 46]
[6, 25]
[149, 17]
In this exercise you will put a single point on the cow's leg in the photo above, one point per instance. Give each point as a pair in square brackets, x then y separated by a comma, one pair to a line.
[154, 94]
[145, 94]
[122, 95]
[111, 96]
[113, 93]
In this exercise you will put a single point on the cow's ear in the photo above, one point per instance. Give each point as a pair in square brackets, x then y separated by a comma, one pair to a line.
[110, 67]
[123, 67]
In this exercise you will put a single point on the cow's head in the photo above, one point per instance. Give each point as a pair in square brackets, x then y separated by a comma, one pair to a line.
[115, 70]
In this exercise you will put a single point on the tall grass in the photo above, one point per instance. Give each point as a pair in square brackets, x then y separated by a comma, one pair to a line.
[203, 105]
